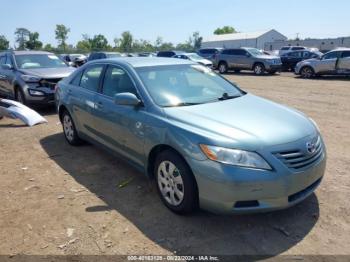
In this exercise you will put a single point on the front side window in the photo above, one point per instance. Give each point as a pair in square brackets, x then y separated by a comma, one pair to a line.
[345, 54]
[255, 52]
[117, 81]
[38, 61]
[181, 85]
[2, 60]
[91, 77]
[332, 55]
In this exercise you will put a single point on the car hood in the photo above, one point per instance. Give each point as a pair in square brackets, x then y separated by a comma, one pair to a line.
[248, 121]
[59, 72]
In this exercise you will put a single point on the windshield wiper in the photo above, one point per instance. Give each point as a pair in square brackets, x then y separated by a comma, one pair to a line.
[183, 104]
[226, 96]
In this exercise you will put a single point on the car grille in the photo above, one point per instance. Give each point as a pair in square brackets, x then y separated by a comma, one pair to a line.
[50, 83]
[298, 159]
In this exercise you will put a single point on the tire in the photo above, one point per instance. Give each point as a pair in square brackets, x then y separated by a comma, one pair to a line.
[19, 95]
[69, 130]
[307, 72]
[175, 183]
[237, 71]
[259, 69]
[222, 67]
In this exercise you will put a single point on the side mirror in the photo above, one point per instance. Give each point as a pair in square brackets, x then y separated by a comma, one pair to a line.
[126, 99]
[6, 67]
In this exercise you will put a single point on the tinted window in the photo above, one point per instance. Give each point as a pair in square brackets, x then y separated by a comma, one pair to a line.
[285, 48]
[208, 51]
[90, 78]
[232, 52]
[331, 55]
[298, 48]
[117, 81]
[345, 54]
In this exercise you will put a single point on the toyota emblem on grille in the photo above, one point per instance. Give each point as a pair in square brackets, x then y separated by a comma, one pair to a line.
[311, 147]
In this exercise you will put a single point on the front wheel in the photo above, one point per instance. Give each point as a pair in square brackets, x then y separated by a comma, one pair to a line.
[19, 95]
[175, 183]
[223, 68]
[307, 72]
[259, 69]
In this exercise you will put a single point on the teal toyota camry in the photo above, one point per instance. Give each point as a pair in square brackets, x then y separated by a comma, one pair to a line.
[204, 141]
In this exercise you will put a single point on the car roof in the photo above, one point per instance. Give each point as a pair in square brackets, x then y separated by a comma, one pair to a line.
[145, 61]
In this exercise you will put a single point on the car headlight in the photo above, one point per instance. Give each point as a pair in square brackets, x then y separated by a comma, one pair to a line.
[29, 78]
[235, 157]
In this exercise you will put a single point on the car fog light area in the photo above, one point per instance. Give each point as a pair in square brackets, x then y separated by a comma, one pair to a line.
[35, 92]
[235, 157]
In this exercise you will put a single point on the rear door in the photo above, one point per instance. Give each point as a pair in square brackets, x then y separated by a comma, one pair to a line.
[120, 127]
[2, 74]
[343, 66]
[231, 58]
[82, 96]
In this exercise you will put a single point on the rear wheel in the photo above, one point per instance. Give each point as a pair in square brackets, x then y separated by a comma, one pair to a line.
[259, 69]
[175, 183]
[307, 72]
[222, 68]
[69, 129]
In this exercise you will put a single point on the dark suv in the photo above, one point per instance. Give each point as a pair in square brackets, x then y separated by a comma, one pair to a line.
[103, 55]
[169, 53]
[290, 60]
[30, 77]
[209, 53]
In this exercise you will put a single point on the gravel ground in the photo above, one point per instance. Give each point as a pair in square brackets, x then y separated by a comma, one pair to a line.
[58, 199]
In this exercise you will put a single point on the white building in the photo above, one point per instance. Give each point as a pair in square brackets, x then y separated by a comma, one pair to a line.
[324, 44]
[236, 40]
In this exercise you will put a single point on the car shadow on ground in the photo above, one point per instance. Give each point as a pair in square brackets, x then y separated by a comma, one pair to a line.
[328, 78]
[249, 73]
[265, 234]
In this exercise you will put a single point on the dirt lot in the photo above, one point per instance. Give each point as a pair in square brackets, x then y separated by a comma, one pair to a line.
[57, 199]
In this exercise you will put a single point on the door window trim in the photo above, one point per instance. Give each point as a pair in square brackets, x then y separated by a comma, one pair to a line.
[99, 81]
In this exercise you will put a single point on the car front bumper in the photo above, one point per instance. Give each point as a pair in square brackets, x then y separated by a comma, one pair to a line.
[46, 96]
[229, 189]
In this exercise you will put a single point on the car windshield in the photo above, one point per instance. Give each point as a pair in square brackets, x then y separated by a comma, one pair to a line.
[38, 61]
[184, 85]
[255, 52]
[194, 56]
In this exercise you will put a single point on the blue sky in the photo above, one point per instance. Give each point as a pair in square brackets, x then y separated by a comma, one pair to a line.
[174, 20]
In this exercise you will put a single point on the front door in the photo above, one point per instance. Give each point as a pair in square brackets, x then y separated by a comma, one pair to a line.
[327, 64]
[343, 66]
[120, 127]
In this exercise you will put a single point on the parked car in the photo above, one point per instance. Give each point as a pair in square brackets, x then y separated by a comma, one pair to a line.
[335, 62]
[102, 55]
[195, 58]
[238, 59]
[147, 54]
[30, 76]
[290, 60]
[287, 49]
[204, 141]
[169, 53]
[209, 53]
[74, 60]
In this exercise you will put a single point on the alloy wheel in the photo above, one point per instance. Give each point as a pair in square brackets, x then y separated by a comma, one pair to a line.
[170, 183]
[68, 128]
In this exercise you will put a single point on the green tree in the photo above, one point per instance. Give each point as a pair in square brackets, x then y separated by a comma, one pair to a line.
[49, 48]
[22, 35]
[126, 42]
[99, 42]
[33, 42]
[196, 40]
[4, 43]
[224, 30]
[62, 35]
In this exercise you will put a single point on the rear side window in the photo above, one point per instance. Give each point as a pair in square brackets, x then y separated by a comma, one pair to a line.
[345, 54]
[117, 81]
[285, 48]
[208, 51]
[331, 55]
[298, 48]
[91, 77]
